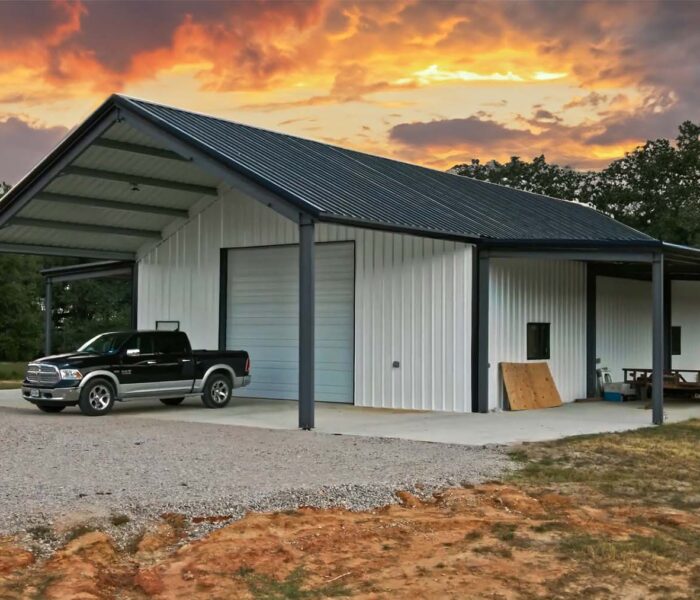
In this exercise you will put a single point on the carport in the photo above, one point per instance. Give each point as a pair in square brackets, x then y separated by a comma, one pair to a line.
[194, 201]
[120, 184]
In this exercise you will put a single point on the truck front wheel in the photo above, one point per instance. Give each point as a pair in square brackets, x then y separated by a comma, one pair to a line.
[217, 391]
[96, 398]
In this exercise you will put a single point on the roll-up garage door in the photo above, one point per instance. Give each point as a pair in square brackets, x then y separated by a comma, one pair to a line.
[263, 318]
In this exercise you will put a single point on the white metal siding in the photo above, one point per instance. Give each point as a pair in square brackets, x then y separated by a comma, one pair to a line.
[412, 299]
[623, 324]
[542, 291]
[686, 314]
[263, 318]
[623, 332]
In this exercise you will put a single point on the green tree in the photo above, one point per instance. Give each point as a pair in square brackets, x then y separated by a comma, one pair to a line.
[82, 309]
[21, 307]
[655, 188]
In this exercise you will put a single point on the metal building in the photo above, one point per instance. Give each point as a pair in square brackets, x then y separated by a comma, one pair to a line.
[349, 277]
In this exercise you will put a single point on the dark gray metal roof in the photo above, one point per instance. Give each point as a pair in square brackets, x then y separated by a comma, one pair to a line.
[339, 185]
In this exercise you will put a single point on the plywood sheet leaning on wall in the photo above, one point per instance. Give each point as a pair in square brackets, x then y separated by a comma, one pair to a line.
[529, 385]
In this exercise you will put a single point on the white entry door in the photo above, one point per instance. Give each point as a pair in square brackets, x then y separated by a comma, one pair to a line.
[263, 318]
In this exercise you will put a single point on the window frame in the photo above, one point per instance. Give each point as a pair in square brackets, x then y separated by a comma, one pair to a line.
[544, 345]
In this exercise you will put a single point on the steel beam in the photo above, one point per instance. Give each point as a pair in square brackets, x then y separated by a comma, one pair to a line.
[138, 149]
[588, 254]
[306, 323]
[668, 318]
[483, 334]
[149, 209]
[48, 315]
[133, 179]
[228, 173]
[85, 227]
[591, 364]
[223, 296]
[658, 355]
[116, 272]
[135, 295]
[37, 249]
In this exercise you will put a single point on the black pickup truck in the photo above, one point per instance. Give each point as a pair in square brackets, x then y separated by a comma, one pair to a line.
[129, 364]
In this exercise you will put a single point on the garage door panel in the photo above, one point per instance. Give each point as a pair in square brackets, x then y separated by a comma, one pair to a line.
[263, 318]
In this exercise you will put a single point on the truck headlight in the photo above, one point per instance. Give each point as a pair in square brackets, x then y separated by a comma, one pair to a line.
[71, 374]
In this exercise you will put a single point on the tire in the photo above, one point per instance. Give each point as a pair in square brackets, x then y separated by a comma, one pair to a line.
[172, 401]
[50, 408]
[217, 391]
[96, 398]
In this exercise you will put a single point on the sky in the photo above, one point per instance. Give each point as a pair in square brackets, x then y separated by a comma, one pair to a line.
[430, 82]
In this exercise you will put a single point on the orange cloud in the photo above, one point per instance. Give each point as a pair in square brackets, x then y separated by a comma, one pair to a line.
[576, 80]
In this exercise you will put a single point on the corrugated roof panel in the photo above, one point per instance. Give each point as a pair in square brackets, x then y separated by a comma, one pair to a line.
[95, 215]
[114, 190]
[118, 161]
[355, 186]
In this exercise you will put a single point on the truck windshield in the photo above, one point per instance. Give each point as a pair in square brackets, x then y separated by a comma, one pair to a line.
[105, 343]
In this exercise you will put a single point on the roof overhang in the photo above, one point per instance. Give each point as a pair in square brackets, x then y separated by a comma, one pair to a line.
[118, 184]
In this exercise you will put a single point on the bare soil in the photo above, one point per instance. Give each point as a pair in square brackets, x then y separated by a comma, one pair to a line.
[612, 516]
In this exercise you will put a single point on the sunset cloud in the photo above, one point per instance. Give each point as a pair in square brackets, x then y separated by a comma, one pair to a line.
[579, 81]
[28, 142]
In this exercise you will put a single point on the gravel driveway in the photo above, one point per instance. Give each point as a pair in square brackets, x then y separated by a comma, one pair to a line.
[54, 466]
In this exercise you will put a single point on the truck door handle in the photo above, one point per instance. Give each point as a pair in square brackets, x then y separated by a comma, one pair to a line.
[185, 360]
[150, 362]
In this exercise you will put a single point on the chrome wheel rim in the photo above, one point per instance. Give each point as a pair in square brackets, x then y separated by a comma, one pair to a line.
[219, 391]
[99, 397]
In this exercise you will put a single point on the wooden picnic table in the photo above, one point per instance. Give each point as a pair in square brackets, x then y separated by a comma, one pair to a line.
[674, 381]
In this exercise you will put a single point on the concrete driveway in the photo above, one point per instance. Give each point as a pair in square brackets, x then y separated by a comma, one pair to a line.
[450, 428]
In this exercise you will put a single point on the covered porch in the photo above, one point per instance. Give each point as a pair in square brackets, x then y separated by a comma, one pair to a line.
[614, 308]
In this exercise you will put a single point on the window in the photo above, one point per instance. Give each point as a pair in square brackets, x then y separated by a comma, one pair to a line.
[676, 341]
[537, 341]
[143, 342]
[167, 325]
[171, 342]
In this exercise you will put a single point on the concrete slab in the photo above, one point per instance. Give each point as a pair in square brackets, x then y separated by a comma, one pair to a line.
[451, 428]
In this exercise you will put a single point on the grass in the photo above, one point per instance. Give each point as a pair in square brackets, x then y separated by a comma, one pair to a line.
[12, 371]
[11, 375]
[119, 520]
[10, 385]
[640, 472]
[292, 587]
[657, 466]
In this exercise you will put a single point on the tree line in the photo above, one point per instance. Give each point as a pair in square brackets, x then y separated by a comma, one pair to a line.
[654, 188]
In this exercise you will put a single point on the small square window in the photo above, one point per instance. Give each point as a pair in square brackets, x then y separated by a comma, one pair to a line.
[675, 341]
[537, 341]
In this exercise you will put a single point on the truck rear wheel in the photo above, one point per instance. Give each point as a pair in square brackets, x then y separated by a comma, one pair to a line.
[96, 398]
[50, 408]
[172, 401]
[217, 391]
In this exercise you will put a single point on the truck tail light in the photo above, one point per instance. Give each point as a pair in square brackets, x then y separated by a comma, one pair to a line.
[247, 365]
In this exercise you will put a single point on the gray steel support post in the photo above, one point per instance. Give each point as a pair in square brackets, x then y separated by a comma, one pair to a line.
[668, 319]
[483, 333]
[658, 354]
[306, 323]
[591, 367]
[135, 296]
[48, 314]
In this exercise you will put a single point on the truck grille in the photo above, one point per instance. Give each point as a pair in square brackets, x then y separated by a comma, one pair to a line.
[42, 374]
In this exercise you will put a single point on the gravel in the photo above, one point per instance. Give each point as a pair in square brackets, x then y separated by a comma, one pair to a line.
[64, 468]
